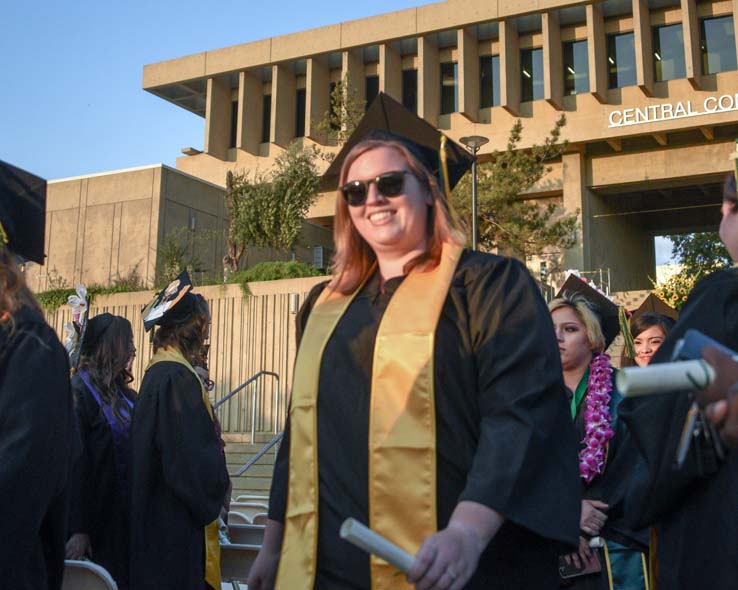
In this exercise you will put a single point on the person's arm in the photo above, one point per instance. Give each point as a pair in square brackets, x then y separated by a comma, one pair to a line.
[36, 434]
[263, 573]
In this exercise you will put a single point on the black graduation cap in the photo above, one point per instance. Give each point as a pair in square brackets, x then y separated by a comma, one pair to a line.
[388, 119]
[607, 310]
[170, 305]
[654, 304]
[22, 212]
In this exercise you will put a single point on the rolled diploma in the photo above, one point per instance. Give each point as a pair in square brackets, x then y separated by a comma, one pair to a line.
[666, 377]
[365, 538]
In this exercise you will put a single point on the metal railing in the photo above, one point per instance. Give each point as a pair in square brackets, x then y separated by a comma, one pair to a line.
[277, 400]
[264, 450]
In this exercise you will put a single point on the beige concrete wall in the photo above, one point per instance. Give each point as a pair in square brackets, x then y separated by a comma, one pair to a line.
[104, 227]
[248, 334]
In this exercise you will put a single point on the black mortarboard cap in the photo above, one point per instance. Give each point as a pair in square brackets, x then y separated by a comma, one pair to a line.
[654, 304]
[96, 327]
[171, 305]
[606, 310]
[22, 212]
[388, 119]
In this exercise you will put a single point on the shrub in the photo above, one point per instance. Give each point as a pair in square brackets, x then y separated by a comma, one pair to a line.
[272, 271]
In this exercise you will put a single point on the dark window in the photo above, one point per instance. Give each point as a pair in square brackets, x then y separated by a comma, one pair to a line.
[335, 116]
[621, 60]
[410, 90]
[489, 81]
[234, 124]
[668, 52]
[300, 113]
[371, 89]
[576, 67]
[717, 41]
[531, 74]
[449, 89]
[266, 118]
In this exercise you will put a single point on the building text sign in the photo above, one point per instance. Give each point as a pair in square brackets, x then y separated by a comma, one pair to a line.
[667, 111]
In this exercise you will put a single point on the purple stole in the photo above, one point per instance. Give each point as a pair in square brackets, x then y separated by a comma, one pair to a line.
[120, 429]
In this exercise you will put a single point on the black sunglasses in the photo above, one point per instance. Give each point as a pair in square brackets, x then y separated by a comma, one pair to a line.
[389, 184]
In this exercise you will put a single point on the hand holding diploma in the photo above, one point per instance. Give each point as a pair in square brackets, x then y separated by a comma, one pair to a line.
[447, 559]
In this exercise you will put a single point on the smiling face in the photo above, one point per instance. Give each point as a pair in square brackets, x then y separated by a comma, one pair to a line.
[392, 226]
[574, 346]
[646, 344]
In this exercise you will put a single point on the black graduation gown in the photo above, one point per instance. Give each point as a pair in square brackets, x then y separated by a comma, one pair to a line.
[695, 508]
[504, 434]
[179, 480]
[99, 503]
[37, 439]
[610, 487]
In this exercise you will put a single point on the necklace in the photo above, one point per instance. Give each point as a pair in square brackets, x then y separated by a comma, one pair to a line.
[597, 420]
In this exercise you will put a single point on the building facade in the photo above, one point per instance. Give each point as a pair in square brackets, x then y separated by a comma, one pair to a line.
[649, 88]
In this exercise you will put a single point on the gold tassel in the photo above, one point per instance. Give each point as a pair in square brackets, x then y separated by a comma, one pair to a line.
[444, 167]
[625, 329]
[3, 235]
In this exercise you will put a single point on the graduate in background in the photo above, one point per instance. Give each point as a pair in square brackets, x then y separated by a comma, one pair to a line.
[427, 401]
[179, 475]
[99, 511]
[693, 505]
[586, 323]
[649, 325]
[36, 416]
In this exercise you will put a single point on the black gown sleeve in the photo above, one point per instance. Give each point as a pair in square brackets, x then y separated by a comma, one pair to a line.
[79, 485]
[655, 422]
[525, 465]
[192, 459]
[278, 491]
[36, 442]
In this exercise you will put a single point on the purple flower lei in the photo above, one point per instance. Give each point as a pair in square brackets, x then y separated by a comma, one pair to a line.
[597, 419]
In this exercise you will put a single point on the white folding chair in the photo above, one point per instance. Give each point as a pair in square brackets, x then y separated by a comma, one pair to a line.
[246, 534]
[236, 561]
[237, 518]
[85, 575]
[250, 509]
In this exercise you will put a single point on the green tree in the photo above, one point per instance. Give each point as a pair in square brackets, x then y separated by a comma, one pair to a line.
[266, 210]
[343, 115]
[506, 220]
[178, 252]
[700, 253]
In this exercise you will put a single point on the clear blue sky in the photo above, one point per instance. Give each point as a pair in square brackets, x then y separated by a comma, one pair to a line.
[72, 101]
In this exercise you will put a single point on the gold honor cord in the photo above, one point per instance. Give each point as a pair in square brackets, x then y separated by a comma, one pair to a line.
[444, 168]
[402, 451]
[212, 540]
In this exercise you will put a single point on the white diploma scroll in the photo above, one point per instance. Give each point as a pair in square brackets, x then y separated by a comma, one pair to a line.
[365, 538]
[665, 378]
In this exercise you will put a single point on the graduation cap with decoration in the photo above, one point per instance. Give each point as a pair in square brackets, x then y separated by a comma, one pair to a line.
[22, 212]
[610, 314]
[387, 119]
[654, 304]
[171, 305]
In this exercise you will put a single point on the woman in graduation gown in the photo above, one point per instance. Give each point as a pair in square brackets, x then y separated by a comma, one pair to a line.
[427, 400]
[36, 415]
[99, 512]
[586, 322]
[693, 506]
[179, 475]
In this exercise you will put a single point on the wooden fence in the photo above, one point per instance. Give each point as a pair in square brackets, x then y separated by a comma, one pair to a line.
[248, 334]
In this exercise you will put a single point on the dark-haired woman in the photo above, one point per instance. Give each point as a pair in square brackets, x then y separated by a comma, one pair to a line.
[179, 475]
[648, 331]
[103, 403]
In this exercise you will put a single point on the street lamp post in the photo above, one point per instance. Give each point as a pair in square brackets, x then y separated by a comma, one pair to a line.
[474, 143]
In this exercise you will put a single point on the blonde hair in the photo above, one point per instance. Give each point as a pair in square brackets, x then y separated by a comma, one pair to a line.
[584, 310]
[354, 260]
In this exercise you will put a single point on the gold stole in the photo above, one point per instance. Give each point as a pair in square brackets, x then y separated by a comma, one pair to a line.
[212, 541]
[402, 427]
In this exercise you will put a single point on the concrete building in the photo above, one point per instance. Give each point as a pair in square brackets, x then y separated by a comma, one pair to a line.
[649, 87]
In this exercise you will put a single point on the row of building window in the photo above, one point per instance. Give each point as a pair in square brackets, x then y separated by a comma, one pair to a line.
[717, 43]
